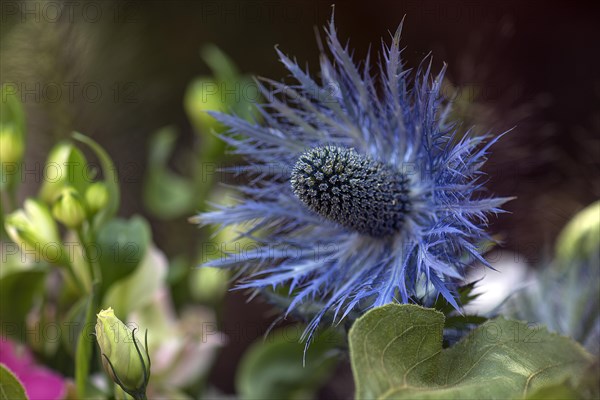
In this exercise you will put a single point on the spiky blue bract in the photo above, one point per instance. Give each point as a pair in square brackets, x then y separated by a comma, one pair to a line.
[393, 124]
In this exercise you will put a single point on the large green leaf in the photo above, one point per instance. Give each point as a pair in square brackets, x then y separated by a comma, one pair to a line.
[10, 386]
[272, 368]
[396, 352]
[139, 288]
[121, 246]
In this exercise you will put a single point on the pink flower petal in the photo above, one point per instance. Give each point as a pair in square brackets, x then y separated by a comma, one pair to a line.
[40, 382]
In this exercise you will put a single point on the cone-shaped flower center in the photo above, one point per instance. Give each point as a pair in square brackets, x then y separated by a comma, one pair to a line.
[351, 189]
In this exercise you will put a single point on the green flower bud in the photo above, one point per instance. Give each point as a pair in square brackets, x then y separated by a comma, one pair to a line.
[11, 144]
[124, 357]
[66, 166]
[34, 230]
[209, 285]
[68, 208]
[197, 104]
[580, 239]
[96, 197]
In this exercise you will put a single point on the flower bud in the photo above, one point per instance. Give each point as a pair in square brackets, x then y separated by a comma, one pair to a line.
[66, 166]
[68, 208]
[34, 231]
[11, 144]
[124, 357]
[96, 197]
[580, 239]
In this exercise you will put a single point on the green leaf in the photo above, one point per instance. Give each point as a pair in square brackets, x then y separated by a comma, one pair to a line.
[20, 286]
[121, 246]
[586, 387]
[84, 351]
[167, 195]
[138, 289]
[272, 367]
[10, 386]
[110, 179]
[396, 352]
[553, 392]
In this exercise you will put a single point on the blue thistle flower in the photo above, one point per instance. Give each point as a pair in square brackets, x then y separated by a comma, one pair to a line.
[359, 196]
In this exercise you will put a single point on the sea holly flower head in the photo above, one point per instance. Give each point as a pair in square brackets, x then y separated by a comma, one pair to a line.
[379, 196]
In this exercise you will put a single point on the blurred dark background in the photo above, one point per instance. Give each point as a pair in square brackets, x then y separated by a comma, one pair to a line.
[118, 71]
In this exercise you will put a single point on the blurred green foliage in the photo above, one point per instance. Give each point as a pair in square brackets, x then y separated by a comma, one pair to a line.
[92, 253]
[169, 195]
[105, 261]
[565, 293]
[281, 367]
[12, 140]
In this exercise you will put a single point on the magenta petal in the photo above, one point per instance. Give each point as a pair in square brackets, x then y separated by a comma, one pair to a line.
[43, 384]
[40, 382]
